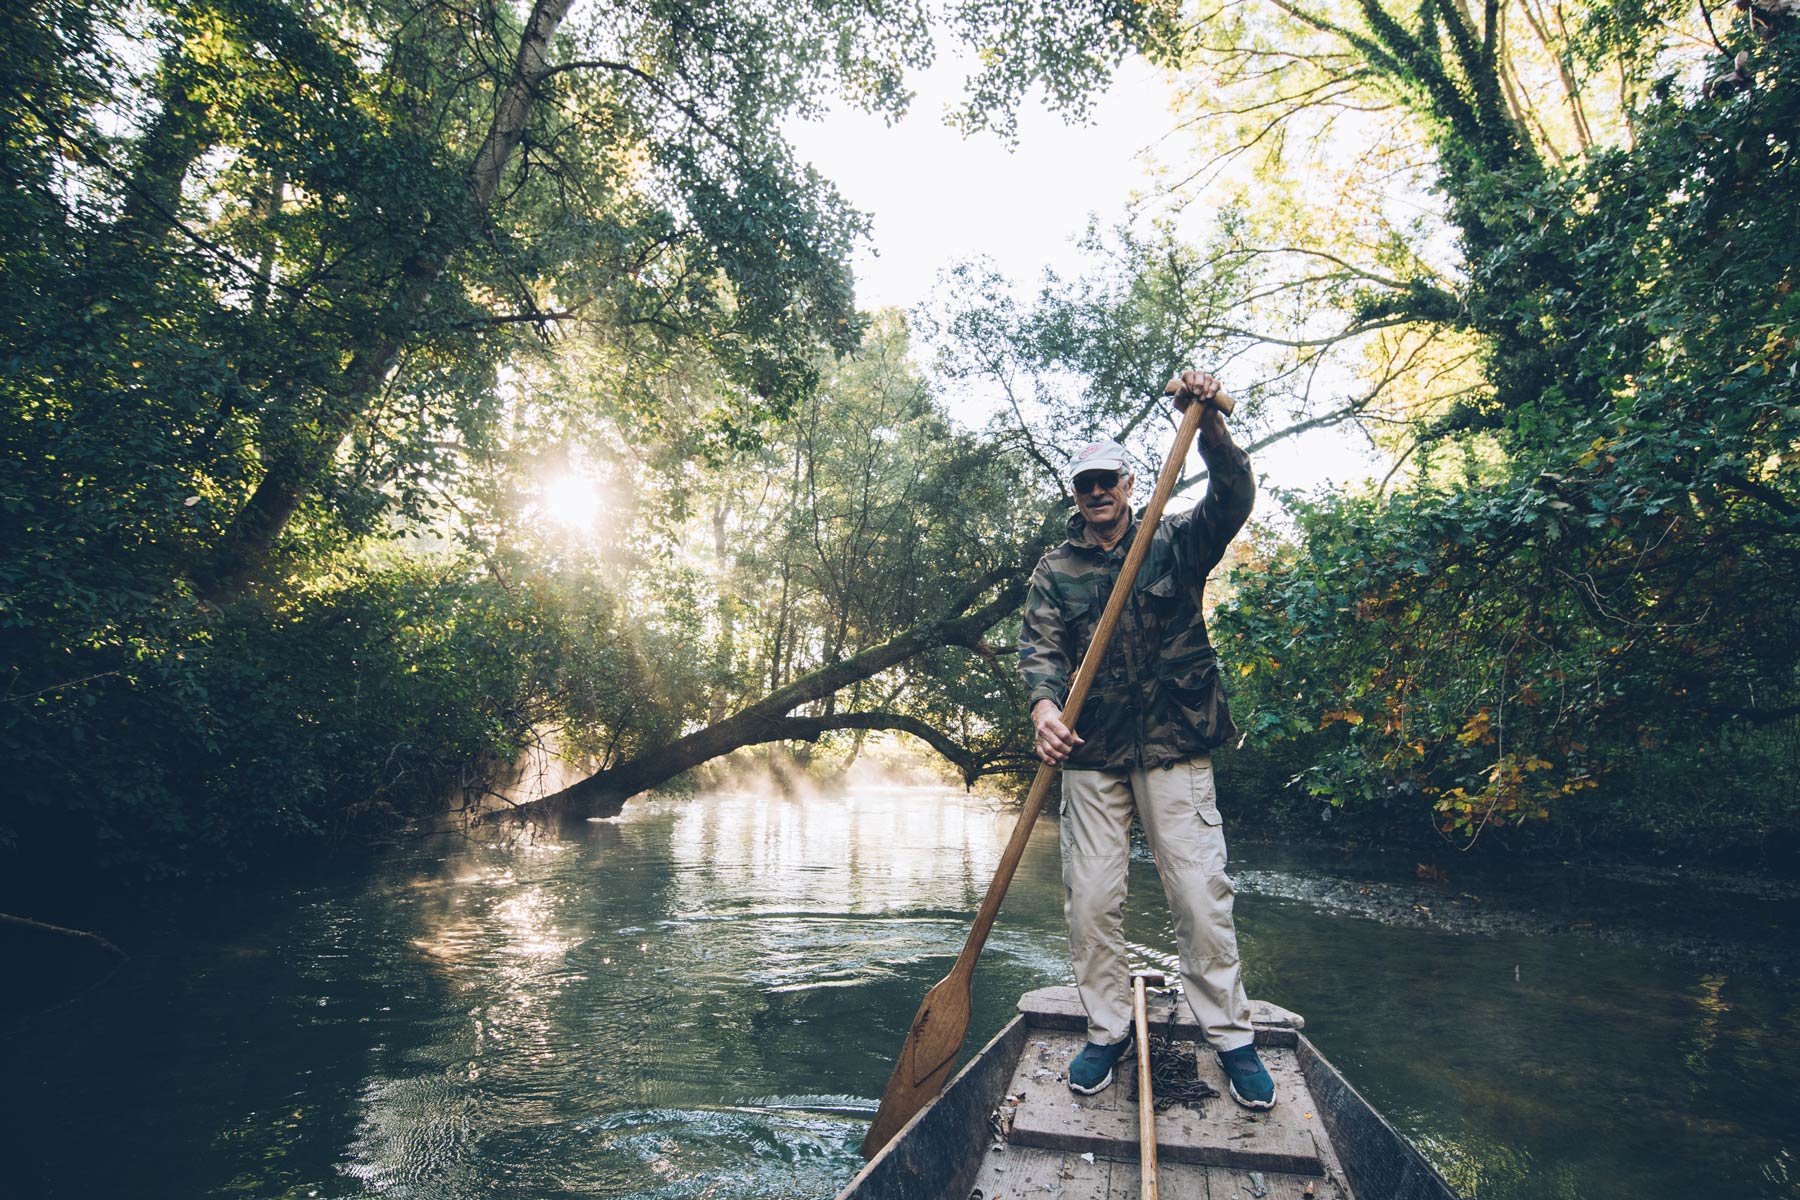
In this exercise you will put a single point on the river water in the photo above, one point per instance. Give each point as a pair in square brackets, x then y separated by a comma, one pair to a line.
[702, 997]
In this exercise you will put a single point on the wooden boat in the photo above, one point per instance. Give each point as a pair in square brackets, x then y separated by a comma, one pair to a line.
[1008, 1128]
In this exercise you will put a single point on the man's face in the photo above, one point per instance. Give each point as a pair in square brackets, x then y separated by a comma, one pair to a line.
[1104, 498]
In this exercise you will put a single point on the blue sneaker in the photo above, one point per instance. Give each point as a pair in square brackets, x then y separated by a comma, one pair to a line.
[1092, 1070]
[1247, 1077]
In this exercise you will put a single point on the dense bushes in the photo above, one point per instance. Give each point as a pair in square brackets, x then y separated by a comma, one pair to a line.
[1583, 614]
[354, 706]
[222, 731]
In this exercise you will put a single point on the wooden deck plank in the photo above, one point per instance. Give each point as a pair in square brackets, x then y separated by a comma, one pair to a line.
[1060, 1008]
[1332, 1187]
[1295, 1111]
[1175, 1181]
[1024, 1173]
[1229, 1184]
[1051, 1117]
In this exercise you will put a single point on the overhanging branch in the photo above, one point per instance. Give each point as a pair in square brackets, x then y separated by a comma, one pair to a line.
[970, 613]
[966, 761]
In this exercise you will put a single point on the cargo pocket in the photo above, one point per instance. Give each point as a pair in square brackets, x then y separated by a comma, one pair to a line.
[1206, 808]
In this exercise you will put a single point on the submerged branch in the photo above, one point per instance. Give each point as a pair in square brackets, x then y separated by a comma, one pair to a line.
[63, 931]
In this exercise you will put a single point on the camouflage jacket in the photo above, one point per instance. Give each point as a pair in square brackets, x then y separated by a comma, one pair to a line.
[1156, 698]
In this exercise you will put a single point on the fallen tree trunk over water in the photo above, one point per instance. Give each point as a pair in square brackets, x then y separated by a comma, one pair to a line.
[970, 614]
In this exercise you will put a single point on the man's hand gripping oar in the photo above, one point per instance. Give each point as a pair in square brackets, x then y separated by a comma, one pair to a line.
[942, 1022]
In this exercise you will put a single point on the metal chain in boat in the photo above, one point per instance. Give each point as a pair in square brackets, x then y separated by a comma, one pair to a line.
[1174, 1074]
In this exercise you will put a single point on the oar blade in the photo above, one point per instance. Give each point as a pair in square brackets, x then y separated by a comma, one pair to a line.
[925, 1060]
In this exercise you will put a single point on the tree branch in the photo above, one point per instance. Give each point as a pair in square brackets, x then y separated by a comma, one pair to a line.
[63, 931]
[966, 761]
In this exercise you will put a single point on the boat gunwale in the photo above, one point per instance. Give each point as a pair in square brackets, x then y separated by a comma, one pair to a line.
[892, 1163]
[1378, 1159]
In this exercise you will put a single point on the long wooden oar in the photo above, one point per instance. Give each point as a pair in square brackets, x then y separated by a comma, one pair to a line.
[943, 1019]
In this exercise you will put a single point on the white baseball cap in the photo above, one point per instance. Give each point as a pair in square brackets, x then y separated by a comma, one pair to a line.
[1103, 455]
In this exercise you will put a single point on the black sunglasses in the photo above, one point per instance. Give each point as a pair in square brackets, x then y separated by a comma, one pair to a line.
[1106, 481]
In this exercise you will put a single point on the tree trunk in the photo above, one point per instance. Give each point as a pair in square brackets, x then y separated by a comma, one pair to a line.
[178, 135]
[295, 468]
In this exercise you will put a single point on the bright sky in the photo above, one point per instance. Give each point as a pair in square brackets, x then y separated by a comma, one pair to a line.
[936, 198]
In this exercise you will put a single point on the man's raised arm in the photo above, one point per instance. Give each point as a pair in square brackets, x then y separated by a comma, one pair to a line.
[1204, 531]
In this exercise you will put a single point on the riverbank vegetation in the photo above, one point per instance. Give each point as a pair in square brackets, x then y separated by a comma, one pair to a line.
[388, 385]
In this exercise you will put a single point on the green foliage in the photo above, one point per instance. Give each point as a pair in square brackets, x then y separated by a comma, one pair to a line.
[1586, 568]
[1086, 357]
[166, 735]
[281, 284]
[1067, 50]
[1531, 636]
[853, 521]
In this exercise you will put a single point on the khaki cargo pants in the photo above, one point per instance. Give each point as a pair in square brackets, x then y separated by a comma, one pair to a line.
[1180, 812]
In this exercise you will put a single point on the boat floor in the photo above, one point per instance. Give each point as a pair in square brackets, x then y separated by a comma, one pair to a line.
[1060, 1144]
[1051, 1173]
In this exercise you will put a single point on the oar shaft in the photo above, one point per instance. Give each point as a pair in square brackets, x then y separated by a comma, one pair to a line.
[1146, 1105]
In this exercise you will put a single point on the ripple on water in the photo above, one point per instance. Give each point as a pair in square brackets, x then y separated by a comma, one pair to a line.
[670, 1153]
[674, 1153]
[412, 1131]
[810, 1103]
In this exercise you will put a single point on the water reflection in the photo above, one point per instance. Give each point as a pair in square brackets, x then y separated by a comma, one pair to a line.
[864, 852]
[701, 999]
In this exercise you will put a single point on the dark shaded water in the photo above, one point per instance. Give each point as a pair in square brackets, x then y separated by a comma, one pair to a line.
[701, 1000]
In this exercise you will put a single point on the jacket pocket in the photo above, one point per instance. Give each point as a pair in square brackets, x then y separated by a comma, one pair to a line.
[1163, 587]
[1191, 677]
[1167, 601]
[1079, 620]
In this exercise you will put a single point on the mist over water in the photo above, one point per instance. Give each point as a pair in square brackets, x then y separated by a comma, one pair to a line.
[702, 998]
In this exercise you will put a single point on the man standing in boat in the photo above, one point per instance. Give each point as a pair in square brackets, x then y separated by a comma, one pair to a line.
[1143, 742]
